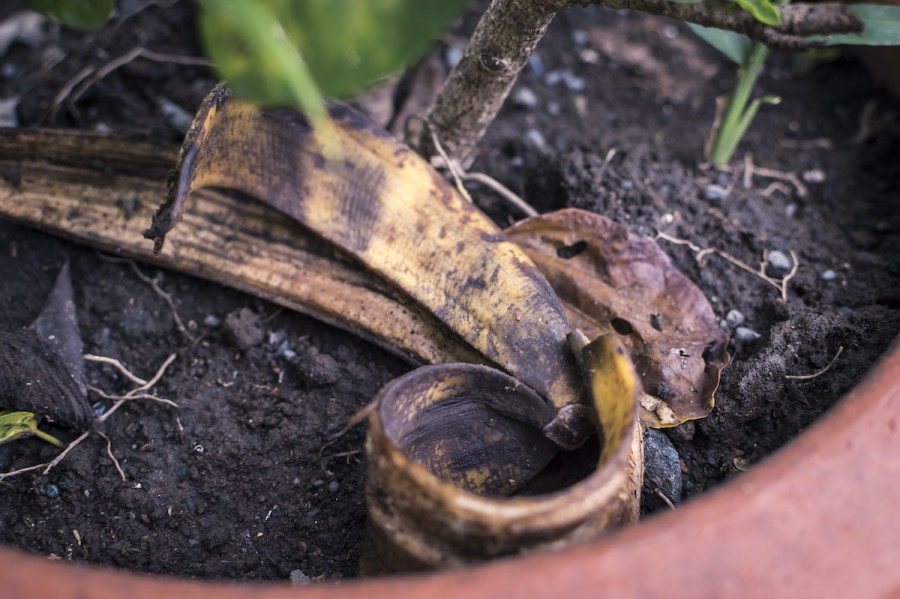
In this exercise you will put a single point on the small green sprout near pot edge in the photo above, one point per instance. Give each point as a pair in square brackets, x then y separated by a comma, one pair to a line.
[881, 27]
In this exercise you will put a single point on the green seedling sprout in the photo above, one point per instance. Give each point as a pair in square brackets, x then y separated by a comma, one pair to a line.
[881, 28]
[19, 424]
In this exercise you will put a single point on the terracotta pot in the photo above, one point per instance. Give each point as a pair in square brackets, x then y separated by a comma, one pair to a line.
[820, 518]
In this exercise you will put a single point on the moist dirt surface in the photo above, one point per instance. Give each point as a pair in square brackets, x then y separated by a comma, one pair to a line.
[253, 475]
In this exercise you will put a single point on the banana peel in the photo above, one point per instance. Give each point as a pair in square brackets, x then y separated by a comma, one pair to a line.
[433, 491]
[367, 236]
[374, 198]
[101, 190]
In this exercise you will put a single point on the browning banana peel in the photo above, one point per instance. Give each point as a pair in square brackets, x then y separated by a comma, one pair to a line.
[388, 208]
[437, 489]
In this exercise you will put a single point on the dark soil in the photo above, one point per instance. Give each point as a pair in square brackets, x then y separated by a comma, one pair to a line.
[247, 479]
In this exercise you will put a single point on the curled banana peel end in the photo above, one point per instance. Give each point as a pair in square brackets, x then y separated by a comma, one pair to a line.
[445, 447]
[179, 184]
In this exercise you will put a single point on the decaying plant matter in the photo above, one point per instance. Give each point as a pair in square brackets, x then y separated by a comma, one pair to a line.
[380, 244]
[434, 478]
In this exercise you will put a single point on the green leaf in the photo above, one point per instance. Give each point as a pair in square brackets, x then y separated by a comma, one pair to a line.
[882, 27]
[763, 10]
[735, 46]
[85, 14]
[19, 424]
[348, 45]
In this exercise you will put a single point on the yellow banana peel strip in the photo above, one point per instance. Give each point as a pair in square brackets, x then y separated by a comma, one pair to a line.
[101, 190]
[384, 205]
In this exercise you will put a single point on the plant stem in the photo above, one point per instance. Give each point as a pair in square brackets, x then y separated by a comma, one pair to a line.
[737, 115]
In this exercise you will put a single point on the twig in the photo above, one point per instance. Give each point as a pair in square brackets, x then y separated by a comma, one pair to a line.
[4, 475]
[779, 284]
[134, 379]
[806, 377]
[775, 186]
[111, 456]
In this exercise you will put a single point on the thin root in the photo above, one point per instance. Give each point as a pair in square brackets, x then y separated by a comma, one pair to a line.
[459, 175]
[665, 498]
[86, 78]
[701, 253]
[136, 393]
[806, 377]
[156, 288]
[111, 456]
[133, 378]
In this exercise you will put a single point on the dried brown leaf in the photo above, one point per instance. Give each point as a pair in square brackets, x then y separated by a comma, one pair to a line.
[611, 281]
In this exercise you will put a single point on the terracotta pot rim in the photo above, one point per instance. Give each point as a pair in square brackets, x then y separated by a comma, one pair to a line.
[818, 518]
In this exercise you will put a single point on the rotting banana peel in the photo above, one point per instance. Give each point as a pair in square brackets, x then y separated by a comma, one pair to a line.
[432, 486]
[387, 207]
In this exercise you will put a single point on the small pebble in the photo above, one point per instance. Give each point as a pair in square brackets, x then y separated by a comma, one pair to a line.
[277, 337]
[780, 260]
[715, 193]
[790, 210]
[176, 116]
[662, 469]
[536, 139]
[745, 334]
[627, 185]
[51, 491]
[8, 115]
[580, 37]
[524, 97]
[553, 108]
[298, 578]
[815, 175]
[573, 82]
[245, 327]
[284, 351]
[212, 321]
[453, 55]
[536, 64]
[567, 78]
[828, 275]
[734, 318]
[589, 56]
[333, 486]
[670, 32]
